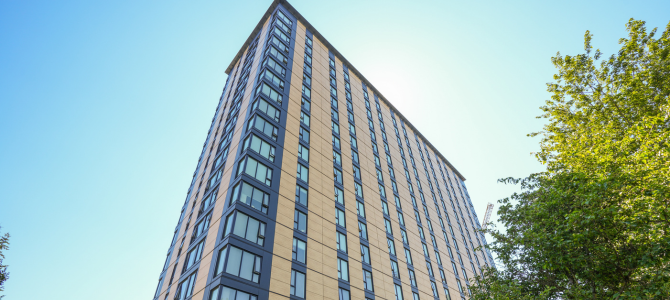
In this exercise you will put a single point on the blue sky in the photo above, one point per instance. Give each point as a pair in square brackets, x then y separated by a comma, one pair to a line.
[104, 107]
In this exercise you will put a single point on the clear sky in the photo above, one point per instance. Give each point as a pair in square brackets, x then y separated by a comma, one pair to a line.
[104, 108]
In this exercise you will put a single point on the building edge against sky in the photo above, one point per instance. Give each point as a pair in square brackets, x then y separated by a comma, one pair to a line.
[309, 186]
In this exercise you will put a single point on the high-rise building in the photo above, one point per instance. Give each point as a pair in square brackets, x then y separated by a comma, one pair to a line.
[311, 185]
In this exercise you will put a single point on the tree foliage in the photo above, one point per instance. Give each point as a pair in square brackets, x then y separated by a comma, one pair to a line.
[4, 275]
[595, 224]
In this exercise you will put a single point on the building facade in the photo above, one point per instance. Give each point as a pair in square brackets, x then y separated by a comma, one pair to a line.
[311, 185]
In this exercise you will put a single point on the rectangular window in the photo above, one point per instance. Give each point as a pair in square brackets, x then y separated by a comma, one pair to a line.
[391, 245]
[272, 64]
[243, 264]
[220, 159]
[246, 227]
[303, 152]
[401, 219]
[460, 287]
[284, 18]
[342, 269]
[367, 281]
[360, 208]
[300, 221]
[255, 169]
[412, 278]
[344, 294]
[264, 126]
[306, 79]
[281, 34]
[365, 254]
[338, 175]
[430, 269]
[304, 135]
[272, 78]
[380, 178]
[354, 156]
[335, 127]
[214, 179]
[301, 195]
[193, 256]
[336, 142]
[362, 230]
[297, 284]
[398, 292]
[299, 250]
[337, 158]
[359, 189]
[357, 172]
[260, 146]
[394, 269]
[185, 288]
[354, 144]
[339, 217]
[403, 234]
[385, 207]
[444, 278]
[339, 196]
[425, 250]
[341, 242]
[304, 118]
[266, 108]
[387, 225]
[227, 293]
[201, 227]
[249, 195]
[269, 92]
[397, 204]
[306, 91]
[408, 256]
[334, 114]
[303, 173]
[446, 292]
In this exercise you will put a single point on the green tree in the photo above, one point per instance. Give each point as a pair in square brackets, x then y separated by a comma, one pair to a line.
[595, 224]
[4, 275]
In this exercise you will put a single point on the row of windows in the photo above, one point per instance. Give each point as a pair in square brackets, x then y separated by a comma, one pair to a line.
[424, 247]
[298, 279]
[387, 221]
[340, 217]
[185, 288]
[437, 182]
[233, 260]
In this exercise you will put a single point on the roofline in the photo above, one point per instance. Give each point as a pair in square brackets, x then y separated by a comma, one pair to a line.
[350, 66]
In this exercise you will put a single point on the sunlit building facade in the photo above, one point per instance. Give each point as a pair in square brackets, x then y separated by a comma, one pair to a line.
[311, 185]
